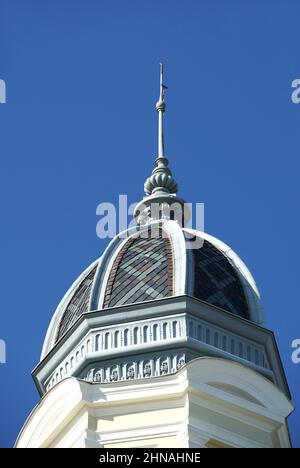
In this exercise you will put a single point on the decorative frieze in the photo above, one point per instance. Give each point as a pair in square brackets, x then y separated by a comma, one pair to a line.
[138, 369]
[136, 338]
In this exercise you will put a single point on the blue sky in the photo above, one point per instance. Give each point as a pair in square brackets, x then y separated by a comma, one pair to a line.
[79, 128]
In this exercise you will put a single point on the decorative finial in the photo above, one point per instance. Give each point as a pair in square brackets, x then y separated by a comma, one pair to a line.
[161, 180]
[161, 107]
[161, 201]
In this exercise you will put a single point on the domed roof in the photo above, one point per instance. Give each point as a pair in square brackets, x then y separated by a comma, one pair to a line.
[159, 261]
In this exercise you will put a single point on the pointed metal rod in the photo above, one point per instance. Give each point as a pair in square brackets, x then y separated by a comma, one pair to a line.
[161, 107]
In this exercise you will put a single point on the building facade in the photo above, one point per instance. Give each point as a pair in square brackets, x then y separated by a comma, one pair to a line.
[160, 342]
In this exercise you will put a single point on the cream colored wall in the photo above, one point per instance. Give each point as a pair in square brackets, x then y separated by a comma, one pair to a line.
[158, 442]
[165, 423]
[208, 403]
[73, 435]
[137, 419]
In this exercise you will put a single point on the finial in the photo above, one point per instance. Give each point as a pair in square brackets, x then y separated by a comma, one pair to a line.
[161, 107]
[161, 180]
[160, 188]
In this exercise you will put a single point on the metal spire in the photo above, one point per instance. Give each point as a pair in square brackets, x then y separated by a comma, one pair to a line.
[161, 107]
[161, 180]
[160, 188]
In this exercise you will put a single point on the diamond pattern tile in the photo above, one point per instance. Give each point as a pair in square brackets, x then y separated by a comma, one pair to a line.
[77, 306]
[217, 282]
[143, 271]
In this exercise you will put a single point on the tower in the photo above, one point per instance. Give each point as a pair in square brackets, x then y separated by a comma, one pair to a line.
[160, 342]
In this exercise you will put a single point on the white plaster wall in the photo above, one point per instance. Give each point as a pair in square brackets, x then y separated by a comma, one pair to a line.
[208, 403]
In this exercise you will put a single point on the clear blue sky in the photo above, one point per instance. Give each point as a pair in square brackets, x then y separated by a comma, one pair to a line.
[79, 128]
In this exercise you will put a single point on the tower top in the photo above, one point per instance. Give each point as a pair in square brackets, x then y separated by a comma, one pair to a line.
[160, 188]
[161, 180]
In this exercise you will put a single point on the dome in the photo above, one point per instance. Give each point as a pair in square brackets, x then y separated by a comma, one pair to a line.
[155, 262]
[161, 296]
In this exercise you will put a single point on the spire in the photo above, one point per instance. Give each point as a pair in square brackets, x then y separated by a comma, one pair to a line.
[161, 180]
[161, 201]
[161, 107]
